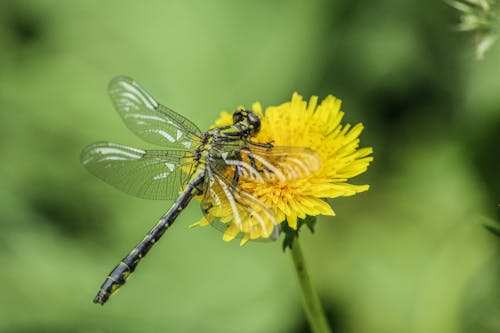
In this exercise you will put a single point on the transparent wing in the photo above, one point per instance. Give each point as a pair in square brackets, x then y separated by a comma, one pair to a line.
[148, 174]
[264, 162]
[150, 120]
[238, 213]
[235, 212]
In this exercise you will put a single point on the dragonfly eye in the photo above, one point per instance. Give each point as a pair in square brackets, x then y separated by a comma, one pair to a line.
[239, 116]
[253, 122]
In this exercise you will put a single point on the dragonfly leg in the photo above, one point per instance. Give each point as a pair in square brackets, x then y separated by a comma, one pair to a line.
[236, 175]
[264, 145]
[252, 160]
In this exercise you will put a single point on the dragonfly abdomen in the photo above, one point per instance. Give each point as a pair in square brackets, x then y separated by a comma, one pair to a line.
[127, 266]
[113, 282]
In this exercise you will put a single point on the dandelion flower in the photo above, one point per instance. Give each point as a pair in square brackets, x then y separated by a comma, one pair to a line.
[317, 127]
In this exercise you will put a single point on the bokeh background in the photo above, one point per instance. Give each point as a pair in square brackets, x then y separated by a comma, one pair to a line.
[410, 255]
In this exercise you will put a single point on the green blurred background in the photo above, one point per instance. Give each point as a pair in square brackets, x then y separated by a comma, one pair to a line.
[410, 255]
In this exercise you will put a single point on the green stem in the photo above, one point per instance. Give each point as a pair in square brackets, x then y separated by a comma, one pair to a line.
[314, 311]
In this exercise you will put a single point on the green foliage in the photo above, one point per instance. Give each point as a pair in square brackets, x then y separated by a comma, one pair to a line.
[291, 234]
[481, 18]
[493, 228]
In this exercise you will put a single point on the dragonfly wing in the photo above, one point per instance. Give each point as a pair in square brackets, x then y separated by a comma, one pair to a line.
[235, 212]
[150, 120]
[148, 174]
[264, 162]
[238, 213]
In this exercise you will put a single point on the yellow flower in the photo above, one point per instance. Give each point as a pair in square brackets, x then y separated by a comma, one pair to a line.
[317, 127]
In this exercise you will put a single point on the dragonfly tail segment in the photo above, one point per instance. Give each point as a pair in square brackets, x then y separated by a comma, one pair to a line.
[118, 276]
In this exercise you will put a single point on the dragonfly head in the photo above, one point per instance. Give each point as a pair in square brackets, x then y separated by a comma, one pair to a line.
[248, 119]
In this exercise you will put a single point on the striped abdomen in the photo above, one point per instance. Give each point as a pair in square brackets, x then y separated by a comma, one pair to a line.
[127, 266]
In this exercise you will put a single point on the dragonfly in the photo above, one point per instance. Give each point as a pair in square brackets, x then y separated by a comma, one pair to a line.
[209, 165]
